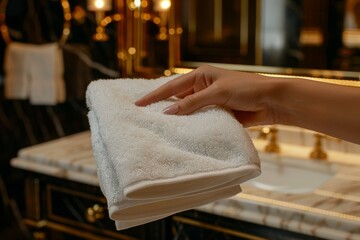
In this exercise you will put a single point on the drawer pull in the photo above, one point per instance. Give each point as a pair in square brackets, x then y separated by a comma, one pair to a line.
[94, 213]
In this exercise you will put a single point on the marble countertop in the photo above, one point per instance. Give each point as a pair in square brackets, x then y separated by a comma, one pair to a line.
[331, 211]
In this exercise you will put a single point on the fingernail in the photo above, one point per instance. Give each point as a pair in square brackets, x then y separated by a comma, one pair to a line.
[173, 109]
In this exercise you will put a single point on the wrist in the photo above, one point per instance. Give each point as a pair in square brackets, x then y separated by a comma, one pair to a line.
[279, 100]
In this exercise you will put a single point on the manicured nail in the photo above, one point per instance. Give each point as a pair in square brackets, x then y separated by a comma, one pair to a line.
[173, 109]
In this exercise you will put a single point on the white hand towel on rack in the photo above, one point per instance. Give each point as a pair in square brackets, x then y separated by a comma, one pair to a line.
[16, 83]
[46, 70]
[34, 72]
[151, 165]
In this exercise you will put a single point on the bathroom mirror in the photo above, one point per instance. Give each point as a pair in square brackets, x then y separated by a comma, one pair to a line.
[277, 36]
[297, 34]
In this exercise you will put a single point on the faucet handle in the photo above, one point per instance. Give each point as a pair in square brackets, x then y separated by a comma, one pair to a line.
[272, 146]
[264, 132]
[318, 152]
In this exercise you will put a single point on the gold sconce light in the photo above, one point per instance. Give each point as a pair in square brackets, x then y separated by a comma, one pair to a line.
[162, 8]
[100, 7]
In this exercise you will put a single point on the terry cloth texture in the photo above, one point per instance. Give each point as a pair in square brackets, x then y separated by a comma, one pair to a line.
[151, 165]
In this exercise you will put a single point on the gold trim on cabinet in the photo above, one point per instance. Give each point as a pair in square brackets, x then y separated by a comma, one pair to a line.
[75, 232]
[73, 192]
[64, 220]
[215, 228]
[32, 198]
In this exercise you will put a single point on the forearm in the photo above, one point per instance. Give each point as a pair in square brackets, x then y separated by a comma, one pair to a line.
[327, 108]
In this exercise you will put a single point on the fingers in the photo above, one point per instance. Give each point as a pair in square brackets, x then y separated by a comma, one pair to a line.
[171, 88]
[185, 93]
[192, 102]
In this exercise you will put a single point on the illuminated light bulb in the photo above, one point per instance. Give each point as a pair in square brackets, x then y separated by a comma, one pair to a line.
[171, 31]
[99, 4]
[165, 4]
[167, 72]
[132, 50]
[137, 3]
[157, 20]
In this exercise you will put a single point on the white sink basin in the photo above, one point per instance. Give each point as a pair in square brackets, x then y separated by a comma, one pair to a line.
[290, 175]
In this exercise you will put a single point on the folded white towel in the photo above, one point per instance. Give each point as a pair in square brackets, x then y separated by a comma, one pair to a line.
[16, 83]
[34, 72]
[47, 69]
[151, 165]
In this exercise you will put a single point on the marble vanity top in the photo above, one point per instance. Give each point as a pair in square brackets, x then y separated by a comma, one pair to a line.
[331, 211]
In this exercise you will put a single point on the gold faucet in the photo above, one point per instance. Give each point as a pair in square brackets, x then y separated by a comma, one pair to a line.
[318, 152]
[272, 146]
[264, 132]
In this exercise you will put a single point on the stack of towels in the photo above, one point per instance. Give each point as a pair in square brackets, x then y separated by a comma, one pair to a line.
[34, 72]
[151, 165]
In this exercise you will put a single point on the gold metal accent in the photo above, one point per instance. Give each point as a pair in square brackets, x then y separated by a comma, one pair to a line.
[215, 228]
[218, 20]
[334, 77]
[39, 235]
[66, 25]
[174, 41]
[311, 37]
[121, 39]
[94, 213]
[258, 35]
[101, 23]
[264, 132]
[351, 38]
[3, 27]
[100, 33]
[318, 152]
[32, 198]
[79, 14]
[75, 231]
[244, 28]
[67, 22]
[52, 216]
[35, 224]
[272, 146]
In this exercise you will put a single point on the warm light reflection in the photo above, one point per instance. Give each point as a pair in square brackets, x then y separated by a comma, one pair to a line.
[137, 3]
[132, 50]
[161, 5]
[165, 4]
[99, 5]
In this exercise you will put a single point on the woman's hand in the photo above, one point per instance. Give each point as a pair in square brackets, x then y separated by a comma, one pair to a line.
[257, 100]
[244, 93]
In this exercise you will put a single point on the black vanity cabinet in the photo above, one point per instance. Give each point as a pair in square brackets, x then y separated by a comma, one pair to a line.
[56, 209]
[60, 209]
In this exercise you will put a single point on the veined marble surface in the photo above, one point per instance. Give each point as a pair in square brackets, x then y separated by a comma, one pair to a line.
[331, 211]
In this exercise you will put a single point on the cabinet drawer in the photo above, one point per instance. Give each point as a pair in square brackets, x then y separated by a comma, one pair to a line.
[84, 211]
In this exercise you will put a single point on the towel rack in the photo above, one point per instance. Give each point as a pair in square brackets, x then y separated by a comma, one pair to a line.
[66, 25]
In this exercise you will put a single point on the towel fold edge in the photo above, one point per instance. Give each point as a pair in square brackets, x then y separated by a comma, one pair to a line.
[187, 184]
[159, 209]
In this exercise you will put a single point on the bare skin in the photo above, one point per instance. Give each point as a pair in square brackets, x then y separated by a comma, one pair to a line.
[260, 100]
